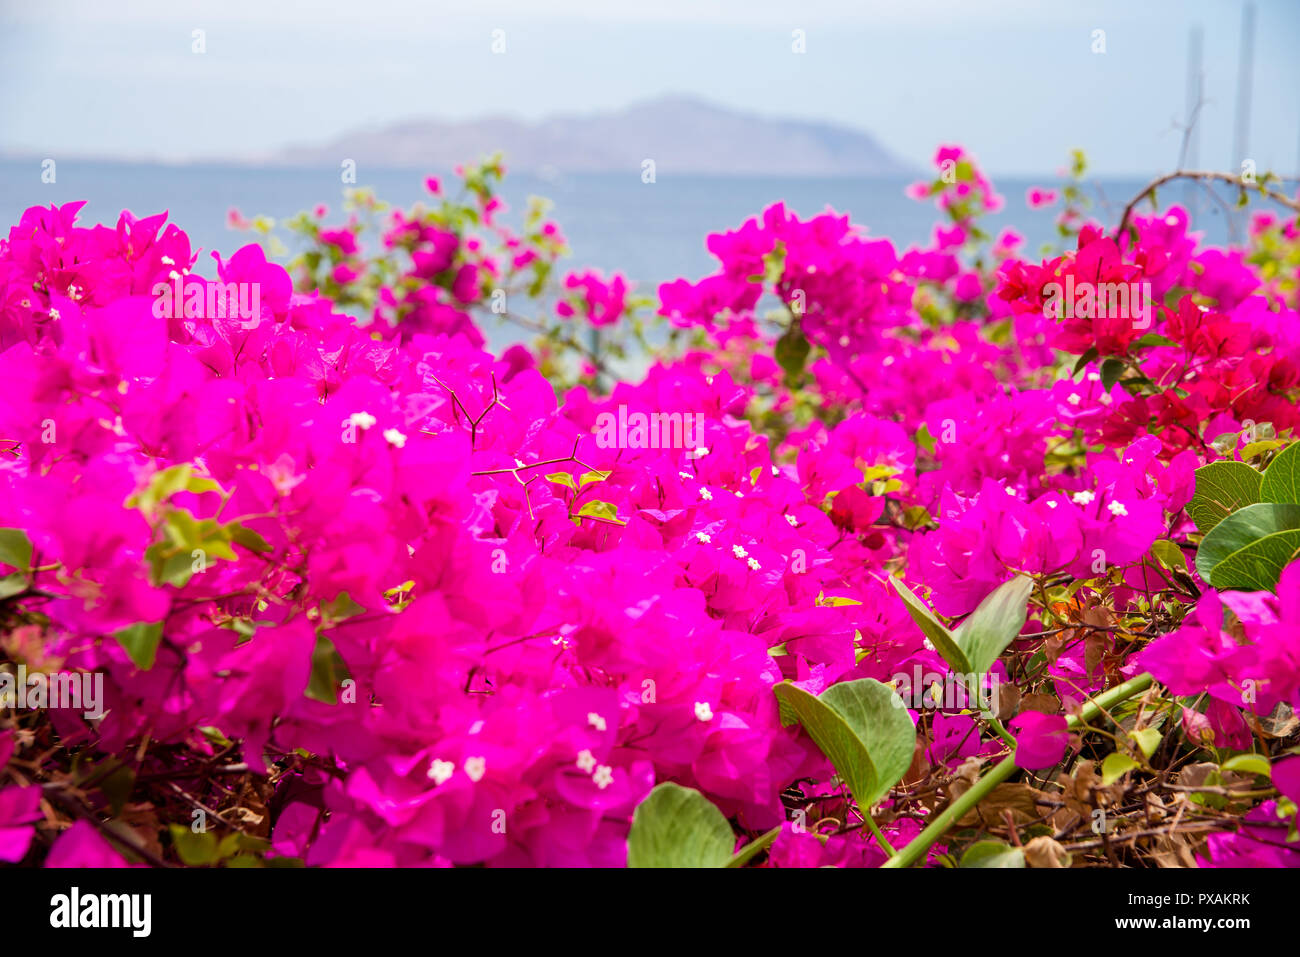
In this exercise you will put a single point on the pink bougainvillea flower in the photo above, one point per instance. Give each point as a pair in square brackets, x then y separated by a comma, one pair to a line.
[1041, 739]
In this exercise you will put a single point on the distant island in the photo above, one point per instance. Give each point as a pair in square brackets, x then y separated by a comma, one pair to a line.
[681, 135]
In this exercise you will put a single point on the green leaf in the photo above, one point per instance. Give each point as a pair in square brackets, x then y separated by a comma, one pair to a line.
[605, 511]
[862, 726]
[992, 854]
[1154, 339]
[1084, 359]
[141, 642]
[1221, 489]
[1148, 739]
[247, 537]
[561, 478]
[1168, 554]
[327, 668]
[1281, 482]
[939, 635]
[754, 848]
[924, 439]
[1249, 548]
[595, 475]
[1116, 765]
[194, 849]
[1111, 370]
[15, 549]
[11, 585]
[1248, 764]
[994, 624]
[792, 351]
[678, 827]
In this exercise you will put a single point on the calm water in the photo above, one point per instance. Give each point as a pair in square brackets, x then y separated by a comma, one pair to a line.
[650, 232]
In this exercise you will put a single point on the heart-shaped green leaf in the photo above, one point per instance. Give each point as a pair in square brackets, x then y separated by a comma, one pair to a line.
[1221, 489]
[992, 626]
[1281, 482]
[862, 727]
[678, 827]
[1249, 548]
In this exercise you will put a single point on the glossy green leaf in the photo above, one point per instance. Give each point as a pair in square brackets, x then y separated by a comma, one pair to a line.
[1248, 764]
[1282, 477]
[678, 827]
[561, 478]
[1169, 555]
[861, 726]
[605, 511]
[1249, 548]
[1221, 489]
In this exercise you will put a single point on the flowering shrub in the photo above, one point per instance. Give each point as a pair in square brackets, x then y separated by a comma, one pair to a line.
[355, 590]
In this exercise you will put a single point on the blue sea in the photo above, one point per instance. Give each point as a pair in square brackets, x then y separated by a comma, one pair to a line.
[650, 232]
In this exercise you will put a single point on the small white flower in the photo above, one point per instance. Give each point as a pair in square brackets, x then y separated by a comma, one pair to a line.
[1117, 509]
[167, 261]
[700, 452]
[1082, 498]
[1051, 503]
[603, 777]
[54, 313]
[1009, 490]
[775, 470]
[362, 420]
[475, 768]
[887, 361]
[739, 551]
[929, 645]
[586, 760]
[1074, 398]
[1094, 377]
[394, 438]
[706, 495]
[703, 538]
[703, 711]
[596, 721]
[1105, 399]
[740, 495]
[440, 771]
[794, 522]
[754, 565]
[685, 475]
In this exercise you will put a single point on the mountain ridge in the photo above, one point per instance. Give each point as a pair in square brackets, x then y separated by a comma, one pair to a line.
[680, 134]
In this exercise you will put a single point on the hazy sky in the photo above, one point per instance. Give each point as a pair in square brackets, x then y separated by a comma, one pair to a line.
[1015, 81]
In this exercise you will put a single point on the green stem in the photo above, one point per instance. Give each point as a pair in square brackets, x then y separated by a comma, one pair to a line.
[752, 849]
[880, 838]
[958, 809]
